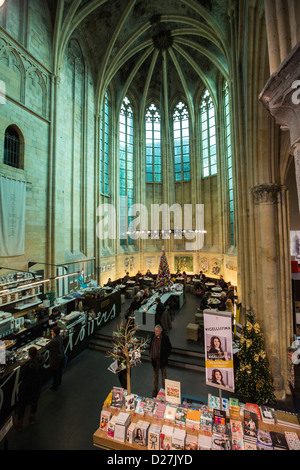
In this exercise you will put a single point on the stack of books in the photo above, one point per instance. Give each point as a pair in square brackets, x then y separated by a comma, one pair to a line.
[285, 418]
[178, 439]
[250, 428]
[154, 437]
[236, 430]
[191, 442]
[267, 414]
[234, 407]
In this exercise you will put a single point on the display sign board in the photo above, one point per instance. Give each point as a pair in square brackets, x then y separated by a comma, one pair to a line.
[218, 349]
[173, 391]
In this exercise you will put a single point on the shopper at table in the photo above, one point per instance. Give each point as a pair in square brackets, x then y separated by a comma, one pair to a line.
[30, 386]
[56, 355]
[222, 283]
[138, 277]
[135, 305]
[223, 298]
[160, 350]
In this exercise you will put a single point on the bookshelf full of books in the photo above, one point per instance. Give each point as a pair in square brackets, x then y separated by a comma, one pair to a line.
[136, 422]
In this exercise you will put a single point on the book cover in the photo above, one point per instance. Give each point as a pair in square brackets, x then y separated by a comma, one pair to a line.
[250, 425]
[104, 420]
[191, 442]
[264, 440]
[117, 397]
[154, 437]
[279, 441]
[292, 440]
[254, 408]
[170, 413]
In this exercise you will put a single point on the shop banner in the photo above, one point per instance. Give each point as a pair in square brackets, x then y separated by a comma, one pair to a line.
[218, 349]
[12, 217]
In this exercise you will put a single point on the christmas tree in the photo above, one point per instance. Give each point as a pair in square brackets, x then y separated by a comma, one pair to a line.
[163, 276]
[126, 350]
[253, 379]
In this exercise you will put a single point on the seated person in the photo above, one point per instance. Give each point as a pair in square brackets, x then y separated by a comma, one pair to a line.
[202, 277]
[222, 283]
[178, 273]
[230, 293]
[146, 296]
[222, 305]
[109, 283]
[148, 273]
[126, 278]
[184, 275]
[204, 302]
[138, 277]
[54, 316]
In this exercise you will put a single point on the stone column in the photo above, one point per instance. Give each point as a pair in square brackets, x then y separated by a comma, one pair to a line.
[265, 196]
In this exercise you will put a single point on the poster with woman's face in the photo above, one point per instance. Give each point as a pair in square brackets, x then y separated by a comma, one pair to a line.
[218, 349]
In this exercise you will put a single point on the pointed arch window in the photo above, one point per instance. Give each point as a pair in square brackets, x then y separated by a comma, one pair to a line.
[208, 136]
[181, 141]
[126, 169]
[12, 147]
[153, 144]
[104, 146]
[229, 160]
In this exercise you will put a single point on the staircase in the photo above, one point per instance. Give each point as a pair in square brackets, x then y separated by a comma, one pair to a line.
[179, 357]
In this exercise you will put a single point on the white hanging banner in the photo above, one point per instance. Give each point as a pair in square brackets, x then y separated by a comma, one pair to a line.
[12, 217]
[218, 349]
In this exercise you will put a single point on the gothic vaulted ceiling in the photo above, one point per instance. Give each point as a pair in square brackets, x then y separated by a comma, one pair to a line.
[157, 48]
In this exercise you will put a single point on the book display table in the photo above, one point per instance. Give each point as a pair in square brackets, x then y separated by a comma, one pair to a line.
[188, 430]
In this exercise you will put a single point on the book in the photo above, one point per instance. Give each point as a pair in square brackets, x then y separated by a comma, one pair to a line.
[111, 427]
[285, 418]
[140, 404]
[154, 437]
[130, 402]
[191, 442]
[220, 442]
[122, 422]
[140, 435]
[130, 433]
[250, 422]
[149, 406]
[236, 428]
[264, 441]
[178, 439]
[180, 416]
[204, 441]
[170, 413]
[279, 441]
[237, 443]
[292, 440]
[206, 420]
[166, 437]
[193, 418]
[117, 398]
[105, 416]
[267, 414]
[159, 411]
[254, 408]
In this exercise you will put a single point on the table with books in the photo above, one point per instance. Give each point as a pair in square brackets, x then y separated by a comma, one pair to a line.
[132, 422]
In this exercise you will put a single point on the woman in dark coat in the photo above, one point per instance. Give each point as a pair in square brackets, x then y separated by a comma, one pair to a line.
[30, 386]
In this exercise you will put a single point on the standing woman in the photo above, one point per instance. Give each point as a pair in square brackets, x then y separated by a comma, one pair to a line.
[56, 354]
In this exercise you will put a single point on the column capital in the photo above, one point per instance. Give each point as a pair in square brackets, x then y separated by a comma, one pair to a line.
[265, 193]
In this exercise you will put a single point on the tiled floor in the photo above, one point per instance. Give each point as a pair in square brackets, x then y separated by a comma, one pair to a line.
[68, 417]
